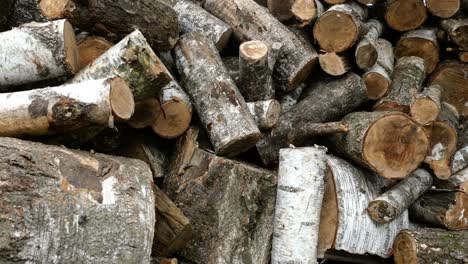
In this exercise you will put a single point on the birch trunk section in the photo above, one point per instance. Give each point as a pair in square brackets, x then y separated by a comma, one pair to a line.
[366, 50]
[378, 78]
[405, 15]
[265, 113]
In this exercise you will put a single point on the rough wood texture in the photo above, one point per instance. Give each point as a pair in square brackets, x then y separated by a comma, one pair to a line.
[421, 43]
[265, 113]
[290, 99]
[337, 97]
[371, 142]
[408, 78]
[26, 11]
[405, 15]
[281, 9]
[230, 205]
[431, 246]
[90, 48]
[133, 60]
[366, 53]
[37, 51]
[457, 30]
[345, 222]
[64, 108]
[67, 206]
[443, 9]
[378, 77]
[219, 104]
[146, 113]
[335, 64]
[395, 201]
[340, 27]
[297, 57]
[301, 177]
[460, 160]
[192, 17]
[427, 105]
[306, 11]
[116, 19]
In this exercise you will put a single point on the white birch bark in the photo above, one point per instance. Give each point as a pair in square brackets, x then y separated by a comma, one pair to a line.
[460, 160]
[366, 50]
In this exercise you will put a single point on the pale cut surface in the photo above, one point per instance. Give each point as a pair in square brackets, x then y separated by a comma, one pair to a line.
[406, 15]
[443, 8]
[254, 49]
[121, 99]
[419, 47]
[424, 110]
[442, 145]
[328, 216]
[335, 31]
[174, 119]
[91, 48]
[377, 85]
[71, 50]
[333, 64]
[54, 9]
[405, 249]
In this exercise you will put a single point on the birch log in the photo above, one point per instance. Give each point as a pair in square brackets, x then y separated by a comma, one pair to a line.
[443, 9]
[457, 30]
[301, 177]
[344, 223]
[219, 104]
[306, 11]
[265, 113]
[340, 27]
[64, 108]
[460, 160]
[427, 105]
[192, 17]
[69, 206]
[37, 51]
[90, 48]
[366, 50]
[335, 64]
[290, 99]
[405, 15]
[395, 201]
[378, 77]
[134, 61]
[297, 57]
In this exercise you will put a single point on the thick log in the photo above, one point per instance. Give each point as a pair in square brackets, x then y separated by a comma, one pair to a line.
[443, 9]
[421, 43]
[219, 104]
[452, 77]
[57, 202]
[378, 77]
[297, 57]
[457, 31]
[366, 53]
[146, 113]
[176, 111]
[408, 78]
[460, 160]
[91, 48]
[281, 9]
[290, 99]
[398, 199]
[37, 51]
[265, 113]
[133, 60]
[344, 225]
[340, 27]
[192, 17]
[229, 203]
[301, 177]
[64, 108]
[427, 105]
[335, 64]
[337, 97]
[307, 11]
[371, 142]
[405, 15]
[431, 246]
[116, 19]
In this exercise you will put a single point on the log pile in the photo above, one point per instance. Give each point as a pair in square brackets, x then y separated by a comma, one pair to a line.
[233, 131]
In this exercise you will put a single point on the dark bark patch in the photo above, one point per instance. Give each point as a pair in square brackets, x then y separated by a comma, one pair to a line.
[38, 107]
[42, 70]
[67, 111]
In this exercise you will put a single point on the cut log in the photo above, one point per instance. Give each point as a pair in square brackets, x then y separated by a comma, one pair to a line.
[301, 177]
[453, 78]
[290, 99]
[395, 201]
[421, 43]
[378, 77]
[265, 113]
[389, 143]
[250, 21]
[457, 31]
[146, 113]
[443, 141]
[37, 51]
[281, 9]
[344, 224]
[337, 97]
[116, 19]
[176, 111]
[64, 108]
[229, 203]
[340, 27]
[426, 106]
[443, 9]
[408, 78]
[133, 60]
[91, 48]
[219, 104]
[306, 11]
[192, 17]
[366, 50]
[460, 160]
[335, 64]
[57, 202]
[405, 15]
[431, 246]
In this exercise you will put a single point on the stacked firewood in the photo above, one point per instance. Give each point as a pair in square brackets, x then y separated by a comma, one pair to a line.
[233, 131]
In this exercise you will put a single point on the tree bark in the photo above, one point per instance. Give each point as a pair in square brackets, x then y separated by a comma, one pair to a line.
[219, 104]
[26, 11]
[265, 113]
[460, 160]
[405, 15]
[64, 108]
[146, 113]
[335, 64]
[366, 50]
[58, 202]
[395, 201]
[408, 78]
[371, 142]
[91, 48]
[457, 31]
[427, 105]
[297, 57]
[307, 11]
[340, 27]
[431, 246]
[337, 97]
[301, 177]
[290, 99]
[35, 52]
[192, 17]
[443, 9]
[134, 61]
[378, 77]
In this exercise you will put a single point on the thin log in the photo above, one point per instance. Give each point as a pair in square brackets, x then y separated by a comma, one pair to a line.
[378, 77]
[443, 9]
[91, 48]
[366, 53]
[460, 160]
[335, 64]
[146, 113]
[281, 9]
[265, 113]
[427, 105]
[405, 15]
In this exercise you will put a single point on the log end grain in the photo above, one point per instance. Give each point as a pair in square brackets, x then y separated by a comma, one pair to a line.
[304, 10]
[55, 9]
[328, 216]
[146, 112]
[121, 99]
[91, 48]
[334, 64]
[443, 143]
[174, 119]
[381, 211]
[71, 50]
[426, 49]
[377, 84]
[443, 9]
[405, 15]
[366, 56]
[405, 249]
[424, 110]
[336, 31]
[253, 51]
